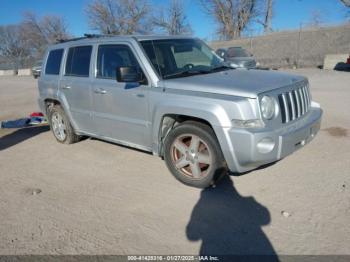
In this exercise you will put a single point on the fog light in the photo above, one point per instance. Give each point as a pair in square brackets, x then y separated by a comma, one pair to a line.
[266, 145]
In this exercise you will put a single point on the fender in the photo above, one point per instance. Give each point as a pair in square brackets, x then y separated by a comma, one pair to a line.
[213, 113]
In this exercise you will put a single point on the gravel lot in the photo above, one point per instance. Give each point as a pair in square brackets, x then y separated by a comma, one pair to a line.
[100, 198]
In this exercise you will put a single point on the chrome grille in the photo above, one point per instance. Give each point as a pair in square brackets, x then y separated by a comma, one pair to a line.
[294, 103]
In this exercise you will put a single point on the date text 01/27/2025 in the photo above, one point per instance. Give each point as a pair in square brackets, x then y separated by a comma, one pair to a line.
[173, 258]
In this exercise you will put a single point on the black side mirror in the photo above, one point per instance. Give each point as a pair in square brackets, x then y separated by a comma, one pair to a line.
[130, 74]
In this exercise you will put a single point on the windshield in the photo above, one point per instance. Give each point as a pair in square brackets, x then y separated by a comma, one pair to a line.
[237, 52]
[174, 58]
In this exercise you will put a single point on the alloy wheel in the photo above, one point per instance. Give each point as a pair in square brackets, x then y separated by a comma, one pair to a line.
[191, 156]
[58, 126]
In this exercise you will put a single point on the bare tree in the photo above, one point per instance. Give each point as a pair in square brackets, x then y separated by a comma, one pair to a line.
[264, 15]
[119, 16]
[173, 20]
[346, 2]
[13, 47]
[23, 43]
[268, 16]
[232, 16]
[316, 18]
[38, 33]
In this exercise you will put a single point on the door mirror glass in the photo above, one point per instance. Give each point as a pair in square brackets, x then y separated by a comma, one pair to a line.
[130, 74]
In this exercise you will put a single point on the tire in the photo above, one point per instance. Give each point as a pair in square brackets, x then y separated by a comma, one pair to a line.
[63, 133]
[193, 155]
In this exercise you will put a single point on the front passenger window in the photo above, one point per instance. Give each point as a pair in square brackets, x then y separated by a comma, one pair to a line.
[110, 57]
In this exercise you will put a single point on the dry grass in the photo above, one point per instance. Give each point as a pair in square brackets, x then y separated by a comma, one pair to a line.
[284, 49]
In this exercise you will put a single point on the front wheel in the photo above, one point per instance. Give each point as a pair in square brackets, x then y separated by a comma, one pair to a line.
[193, 155]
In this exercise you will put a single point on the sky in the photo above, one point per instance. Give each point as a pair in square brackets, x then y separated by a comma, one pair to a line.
[288, 14]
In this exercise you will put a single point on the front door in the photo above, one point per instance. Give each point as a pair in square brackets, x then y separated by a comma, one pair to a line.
[120, 109]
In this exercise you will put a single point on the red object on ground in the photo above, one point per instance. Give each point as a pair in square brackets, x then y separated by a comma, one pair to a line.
[34, 114]
[348, 61]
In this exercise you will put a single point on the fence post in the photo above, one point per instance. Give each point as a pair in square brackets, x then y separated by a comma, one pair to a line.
[251, 43]
[298, 46]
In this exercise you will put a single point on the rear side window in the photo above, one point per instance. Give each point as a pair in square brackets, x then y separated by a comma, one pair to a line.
[78, 61]
[53, 63]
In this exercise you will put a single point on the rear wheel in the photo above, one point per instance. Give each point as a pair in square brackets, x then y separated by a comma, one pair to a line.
[193, 155]
[60, 126]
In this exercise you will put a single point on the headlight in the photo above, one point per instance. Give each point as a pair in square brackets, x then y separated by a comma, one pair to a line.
[268, 107]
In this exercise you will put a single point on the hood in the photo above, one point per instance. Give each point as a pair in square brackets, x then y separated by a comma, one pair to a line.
[245, 83]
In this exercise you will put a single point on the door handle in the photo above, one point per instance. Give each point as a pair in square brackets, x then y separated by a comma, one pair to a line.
[66, 87]
[140, 95]
[100, 91]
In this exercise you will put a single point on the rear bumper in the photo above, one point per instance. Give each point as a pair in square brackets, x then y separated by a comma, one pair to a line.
[248, 148]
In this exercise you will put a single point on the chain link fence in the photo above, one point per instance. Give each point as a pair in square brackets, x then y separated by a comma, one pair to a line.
[305, 47]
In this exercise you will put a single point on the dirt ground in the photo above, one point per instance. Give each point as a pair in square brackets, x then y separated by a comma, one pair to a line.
[100, 198]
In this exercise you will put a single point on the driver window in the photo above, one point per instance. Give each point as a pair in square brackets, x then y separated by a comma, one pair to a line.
[109, 57]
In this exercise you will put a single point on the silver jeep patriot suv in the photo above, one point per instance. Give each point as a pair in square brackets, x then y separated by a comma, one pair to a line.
[174, 97]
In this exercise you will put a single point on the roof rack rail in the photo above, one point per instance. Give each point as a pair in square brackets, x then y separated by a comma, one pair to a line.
[93, 35]
[69, 40]
[80, 38]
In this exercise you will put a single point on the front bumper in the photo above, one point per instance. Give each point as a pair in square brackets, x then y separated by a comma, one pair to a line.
[247, 149]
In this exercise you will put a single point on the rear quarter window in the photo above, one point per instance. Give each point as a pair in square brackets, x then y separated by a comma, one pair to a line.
[53, 63]
[78, 61]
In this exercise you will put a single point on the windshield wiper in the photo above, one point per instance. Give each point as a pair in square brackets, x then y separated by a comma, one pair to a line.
[191, 72]
[186, 73]
[220, 68]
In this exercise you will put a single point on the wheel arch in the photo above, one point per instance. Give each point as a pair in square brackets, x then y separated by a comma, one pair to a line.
[170, 121]
[49, 102]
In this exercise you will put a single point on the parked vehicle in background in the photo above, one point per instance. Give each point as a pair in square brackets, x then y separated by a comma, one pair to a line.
[237, 57]
[174, 97]
[36, 69]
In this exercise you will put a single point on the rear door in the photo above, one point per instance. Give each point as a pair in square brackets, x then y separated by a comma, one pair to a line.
[49, 81]
[75, 84]
[120, 109]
